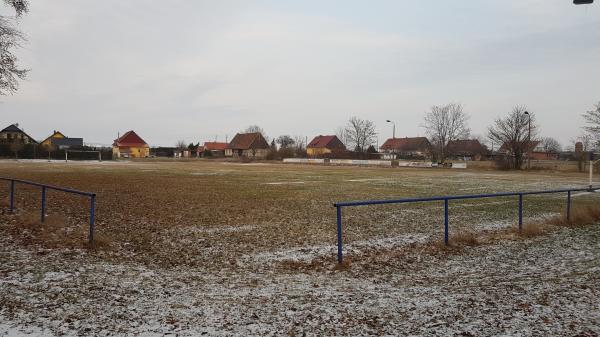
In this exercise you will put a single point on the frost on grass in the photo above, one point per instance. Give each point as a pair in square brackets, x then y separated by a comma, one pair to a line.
[201, 253]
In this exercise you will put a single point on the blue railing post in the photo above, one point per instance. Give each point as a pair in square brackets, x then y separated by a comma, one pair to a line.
[446, 200]
[446, 236]
[569, 206]
[92, 216]
[520, 212]
[339, 233]
[43, 202]
[12, 196]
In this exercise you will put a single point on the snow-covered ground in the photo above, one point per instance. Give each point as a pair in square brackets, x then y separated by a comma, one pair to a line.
[547, 286]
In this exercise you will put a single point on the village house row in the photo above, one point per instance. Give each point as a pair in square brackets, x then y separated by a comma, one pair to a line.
[255, 146]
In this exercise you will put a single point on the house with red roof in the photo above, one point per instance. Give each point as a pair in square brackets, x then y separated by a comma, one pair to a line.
[248, 145]
[322, 145]
[130, 145]
[533, 149]
[467, 149]
[212, 149]
[414, 147]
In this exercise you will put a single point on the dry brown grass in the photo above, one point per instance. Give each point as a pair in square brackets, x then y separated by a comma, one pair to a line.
[344, 266]
[532, 229]
[181, 213]
[55, 232]
[467, 238]
[583, 216]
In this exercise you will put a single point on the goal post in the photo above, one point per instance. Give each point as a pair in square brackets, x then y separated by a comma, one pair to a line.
[82, 151]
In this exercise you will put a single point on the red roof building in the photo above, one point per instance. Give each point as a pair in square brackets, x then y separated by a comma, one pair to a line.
[321, 145]
[414, 147]
[466, 148]
[249, 145]
[534, 149]
[212, 149]
[130, 145]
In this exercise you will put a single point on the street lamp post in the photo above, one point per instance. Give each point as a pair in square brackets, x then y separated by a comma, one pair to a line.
[393, 129]
[528, 141]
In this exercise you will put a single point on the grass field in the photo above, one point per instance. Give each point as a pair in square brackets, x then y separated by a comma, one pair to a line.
[249, 249]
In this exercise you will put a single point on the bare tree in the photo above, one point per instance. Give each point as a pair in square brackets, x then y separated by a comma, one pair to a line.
[11, 38]
[586, 139]
[512, 131]
[551, 145]
[253, 129]
[181, 145]
[16, 147]
[49, 147]
[592, 117]
[360, 133]
[285, 141]
[445, 123]
[342, 135]
[300, 142]
[256, 129]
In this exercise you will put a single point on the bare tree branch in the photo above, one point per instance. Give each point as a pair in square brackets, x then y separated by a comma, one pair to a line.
[360, 133]
[592, 117]
[551, 145]
[10, 39]
[513, 132]
[444, 124]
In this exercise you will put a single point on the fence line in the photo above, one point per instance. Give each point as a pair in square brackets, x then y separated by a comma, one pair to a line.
[45, 187]
[446, 199]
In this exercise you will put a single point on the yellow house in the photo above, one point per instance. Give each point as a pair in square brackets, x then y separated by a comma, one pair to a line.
[130, 145]
[322, 145]
[55, 135]
[62, 142]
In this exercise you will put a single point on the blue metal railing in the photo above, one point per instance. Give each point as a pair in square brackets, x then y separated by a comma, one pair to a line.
[45, 187]
[446, 199]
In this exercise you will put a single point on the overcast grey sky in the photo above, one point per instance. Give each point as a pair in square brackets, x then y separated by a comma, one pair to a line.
[195, 70]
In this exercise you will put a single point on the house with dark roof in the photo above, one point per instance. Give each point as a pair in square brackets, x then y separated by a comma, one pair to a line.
[130, 145]
[414, 147]
[466, 149]
[216, 149]
[248, 145]
[322, 145]
[60, 141]
[12, 134]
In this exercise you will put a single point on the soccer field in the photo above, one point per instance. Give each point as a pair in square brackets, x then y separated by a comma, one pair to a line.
[249, 249]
